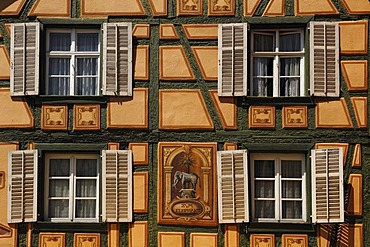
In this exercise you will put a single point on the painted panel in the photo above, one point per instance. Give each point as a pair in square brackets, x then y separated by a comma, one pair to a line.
[11, 7]
[262, 240]
[187, 184]
[355, 195]
[295, 240]
[261, 117]
[203, 239]
[140, 193]
[226, 110]
[355, 73]
[354, 37]
[185, 7]
[325, 117]
[54, 117]
[55, 8]
[97, 8]
[221, 7]
[275, 8]
[140, 153]
[86, 117]
[317, 7]
[360, 108]
[201, 31]
[50, 239]
[128, 112]
[357, 157]
[141, 31]
[173, 64]
[250, 6]
[171, 239]
[159, 7]
[295, 117]
[232, 235]
[167, 31]
[207, 59]
[86, 240]
[4, 63]
[138, 234]
[357, 7]
[350, 235]
[141, 63]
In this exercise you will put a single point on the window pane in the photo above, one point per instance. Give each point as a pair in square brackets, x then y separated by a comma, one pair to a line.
[58, 208]
[85, 208]
[59, 66]
[290, 66]
[264, 189]
[87, 42]
[291, 169]
[87, 81]
[60, 42]
[290, 42]
[290, 76]
[262, 76]
[264, 169]
[59, 168]
[265, 209]
[292, 210]
[292, 189]
[264, 42]
[85, 188]
[86, 167]
[87, 66]
[59, 188]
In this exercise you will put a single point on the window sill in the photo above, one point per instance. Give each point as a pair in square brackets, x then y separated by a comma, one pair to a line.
[70, 226]
[254, 100]
[70, 99]
[255, 227]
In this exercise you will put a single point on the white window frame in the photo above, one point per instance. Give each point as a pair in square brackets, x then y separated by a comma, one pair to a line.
[73, 54]
[72, 187]
[277, 157]
[276, 54]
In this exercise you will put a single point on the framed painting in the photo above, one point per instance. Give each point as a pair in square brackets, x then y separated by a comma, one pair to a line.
[187, 184]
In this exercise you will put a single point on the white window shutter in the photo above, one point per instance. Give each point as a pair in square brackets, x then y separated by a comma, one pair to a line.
[24, 56]
[117, 59]
[117, 185]
[324, 59]
[232, 59]
[22, 194]
[232, 179]
[327, 185]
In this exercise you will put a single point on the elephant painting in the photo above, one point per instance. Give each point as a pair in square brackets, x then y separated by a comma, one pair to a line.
[186, 179]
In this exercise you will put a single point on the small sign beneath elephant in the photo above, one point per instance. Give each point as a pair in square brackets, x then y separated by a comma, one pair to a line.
[186, 184]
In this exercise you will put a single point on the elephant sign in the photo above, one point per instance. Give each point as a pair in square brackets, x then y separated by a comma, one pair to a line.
[186, 179]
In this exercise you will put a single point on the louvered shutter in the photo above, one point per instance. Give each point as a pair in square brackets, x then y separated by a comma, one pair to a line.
[22, 194]
[117, 59]
[232, 56]
[232, 179]
[117, 185]
[324, 59]
[24, 56]
[327, 185]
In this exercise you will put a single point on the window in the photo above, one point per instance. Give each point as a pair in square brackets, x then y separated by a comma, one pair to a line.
[72, 187]
[277, 58]
[278, 184]
[78, 187]
[278, 187]
[73, 60]
[277, 61]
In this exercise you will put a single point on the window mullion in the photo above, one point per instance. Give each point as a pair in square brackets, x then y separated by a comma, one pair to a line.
[72, 193]
[73, 63]
[278, 201]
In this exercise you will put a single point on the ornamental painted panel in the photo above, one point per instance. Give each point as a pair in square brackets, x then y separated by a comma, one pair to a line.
[187, 184]
[86, 117]
[262, 240]
[86, 240]
[189, 7]
[295, 240]
[221, 7]
[262, 117]
[295, 117]
[48, 239]
[54, 117]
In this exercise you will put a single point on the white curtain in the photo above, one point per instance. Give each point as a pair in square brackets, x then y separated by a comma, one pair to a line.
[289, 76]
[264, 189]
[263, 42]
[262, 76]
[59, 188]
[87, 69]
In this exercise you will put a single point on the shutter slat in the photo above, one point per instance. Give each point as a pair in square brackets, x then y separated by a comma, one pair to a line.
[324, 59]
[24, 55]
[22, 197]
[117, 185]
[117, 59]
[327, 185]
[232, 186]
[232, 55]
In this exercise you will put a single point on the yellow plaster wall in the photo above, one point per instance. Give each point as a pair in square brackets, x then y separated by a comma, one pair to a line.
[325, 117]
[183, 109]
[142, 62]
[355, 73]
[171, 239]
[129, 112]
[231, 235]
[11, 7]
[201, 31]
[55, 8]
[357, 161]
[23, 118]
[317, 7]
[357, 6]
[167, 31]
[353, 37]
[10, 241]
[174, 64]
[140, 153]
[360, 108]
[355, 195]
[226, 110]
[275, 8]
[138, 234]
[159, 7]
[203, 239]
[98, 8]
[140, 185]
[207, 59]
[4, 63]
[250, 6]
[141, 31]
